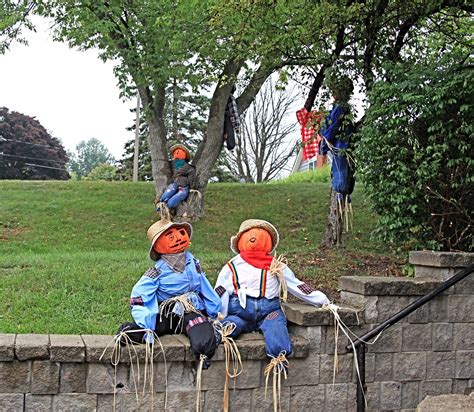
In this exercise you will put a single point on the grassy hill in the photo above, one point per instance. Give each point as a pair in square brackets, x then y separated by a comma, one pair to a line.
[70, 252]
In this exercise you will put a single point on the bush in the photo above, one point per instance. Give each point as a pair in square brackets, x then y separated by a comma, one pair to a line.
[103, 171]
[415, 153]
[322, 175]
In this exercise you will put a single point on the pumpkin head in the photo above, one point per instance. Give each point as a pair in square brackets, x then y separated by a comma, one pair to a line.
[255, 239]
[174, 240]
[179, 154]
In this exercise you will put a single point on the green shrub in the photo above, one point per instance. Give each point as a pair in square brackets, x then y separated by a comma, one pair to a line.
[103, 171]
[321, 175]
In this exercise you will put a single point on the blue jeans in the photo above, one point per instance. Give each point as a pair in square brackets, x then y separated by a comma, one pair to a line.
[174, 195]
[261, 314]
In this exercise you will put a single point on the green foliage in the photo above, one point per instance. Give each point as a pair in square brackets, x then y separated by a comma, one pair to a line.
[416, 152]
[102, 171]
[14, 16]
[75, 249]
[88, 155]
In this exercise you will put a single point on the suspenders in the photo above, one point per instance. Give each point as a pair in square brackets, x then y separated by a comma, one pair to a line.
[235, 279]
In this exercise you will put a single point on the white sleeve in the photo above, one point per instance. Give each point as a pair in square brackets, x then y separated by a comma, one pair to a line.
[223, 288]
[302, 290]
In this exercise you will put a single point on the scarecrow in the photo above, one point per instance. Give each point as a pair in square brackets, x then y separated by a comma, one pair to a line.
[174, 296]
[252, 285]
[337, 132]
[184, 178]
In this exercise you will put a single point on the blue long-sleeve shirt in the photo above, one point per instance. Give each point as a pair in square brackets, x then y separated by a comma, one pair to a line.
[331, 128]
[162, 282]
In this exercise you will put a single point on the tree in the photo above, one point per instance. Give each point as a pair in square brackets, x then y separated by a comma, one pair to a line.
[88, 155]
[14, 16]
[158, 43]
[103, 171]
[264, 146]
[27, 150]
[419, 133]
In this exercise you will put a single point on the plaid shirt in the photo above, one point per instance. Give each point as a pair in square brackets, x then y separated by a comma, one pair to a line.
[234, 113]
[310, 138]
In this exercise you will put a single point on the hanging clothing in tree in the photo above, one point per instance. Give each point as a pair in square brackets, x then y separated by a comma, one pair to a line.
[231, 122]
[309, 122]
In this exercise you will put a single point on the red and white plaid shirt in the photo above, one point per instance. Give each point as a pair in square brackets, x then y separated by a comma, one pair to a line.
[310, 138]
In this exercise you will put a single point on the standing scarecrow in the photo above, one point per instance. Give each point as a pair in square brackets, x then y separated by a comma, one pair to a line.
[174, 296]
[184, 177]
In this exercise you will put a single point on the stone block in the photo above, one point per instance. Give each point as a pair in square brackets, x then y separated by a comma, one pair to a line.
[98, 347]
[383, 366]
[301, 372]
[31, 346]
[416, 337]
[440, 365]
[67, 348]
[77, 402]
[250, 377]
[438, 308]
[173, 348]
[239, 400]
[443, 403]
[72, 378]
[441, 259]
[314, 335]
[465, 286]
[410, 394]
[129, 402]
[372, 396]
[408, 366]
[12, 402]
[344, 372]
[420, 315]
[7, 347]
[461, 308]
[461, 386]
[263, 403]
[435, 387]
[387, 286]
[430, 272]
[369, 368]
[307, 315]
[336, 397]
[44, 377]
[464, 364]
[306, 398]
[102, 378]
[389, 341]
[180, 376]
[464, 336]
[38, 403]
[14, 377]
[390, 395]
[387, 306]
[442, 336]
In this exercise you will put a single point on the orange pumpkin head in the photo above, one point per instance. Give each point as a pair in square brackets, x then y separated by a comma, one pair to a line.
[255, 240]
[174, 240]
[179, 154]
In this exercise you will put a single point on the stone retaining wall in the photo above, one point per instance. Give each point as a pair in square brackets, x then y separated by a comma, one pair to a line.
[430, 352]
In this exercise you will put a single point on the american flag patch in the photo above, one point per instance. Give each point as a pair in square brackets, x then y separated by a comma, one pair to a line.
[136, 301]
[194, 322]
[271, 315]
[305, 288]
[152, 273]
[220, 290]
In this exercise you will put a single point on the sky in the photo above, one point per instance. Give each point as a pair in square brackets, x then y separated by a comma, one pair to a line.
[73, 94]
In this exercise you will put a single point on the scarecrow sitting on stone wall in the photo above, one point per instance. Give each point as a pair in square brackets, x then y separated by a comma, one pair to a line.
[253, 284]
[174, 296]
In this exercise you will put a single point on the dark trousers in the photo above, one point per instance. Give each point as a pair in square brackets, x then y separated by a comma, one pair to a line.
[229, 133]
[195, 326]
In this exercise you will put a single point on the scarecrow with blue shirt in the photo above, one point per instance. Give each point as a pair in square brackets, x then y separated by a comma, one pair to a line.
[174, 296]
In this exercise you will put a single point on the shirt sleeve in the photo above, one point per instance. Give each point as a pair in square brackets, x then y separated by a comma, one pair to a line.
[303, 291]
[332, 123]
[223, 288]
[143, 300]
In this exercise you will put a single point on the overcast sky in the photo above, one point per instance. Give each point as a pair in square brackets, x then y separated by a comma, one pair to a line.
[73, 94]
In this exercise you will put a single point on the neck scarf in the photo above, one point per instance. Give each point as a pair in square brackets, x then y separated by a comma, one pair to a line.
[178, 163]
[260, 260]
[176, 261]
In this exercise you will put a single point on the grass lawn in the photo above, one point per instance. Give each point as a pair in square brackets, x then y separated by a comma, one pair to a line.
[70, 252]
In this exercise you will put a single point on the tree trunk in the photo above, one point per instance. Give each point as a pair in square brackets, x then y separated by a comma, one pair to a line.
[333, 236]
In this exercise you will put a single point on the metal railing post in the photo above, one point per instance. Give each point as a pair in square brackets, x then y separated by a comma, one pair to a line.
[360, 394]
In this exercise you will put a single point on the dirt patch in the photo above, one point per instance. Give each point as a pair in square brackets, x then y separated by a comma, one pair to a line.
[8, 233]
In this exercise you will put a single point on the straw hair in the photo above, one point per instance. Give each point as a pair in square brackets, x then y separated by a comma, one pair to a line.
[255, 223]
[182, 147]
[158, 228]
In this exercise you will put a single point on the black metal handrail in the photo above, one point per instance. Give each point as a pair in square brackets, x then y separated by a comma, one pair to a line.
[360, 342]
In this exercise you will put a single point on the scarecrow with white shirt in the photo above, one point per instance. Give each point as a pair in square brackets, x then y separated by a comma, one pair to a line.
[253, 284]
